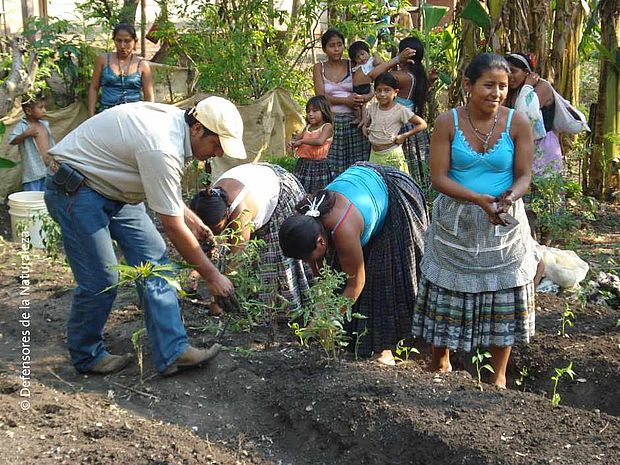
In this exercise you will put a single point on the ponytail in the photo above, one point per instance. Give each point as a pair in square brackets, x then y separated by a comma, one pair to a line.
[416, 68]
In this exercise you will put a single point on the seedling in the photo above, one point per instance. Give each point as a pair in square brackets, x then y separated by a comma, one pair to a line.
[358, 340]
[567, 316]
[323, 320]
[139, 275]
[478, 360]
[402, 349]
[559, 372]
[49, 231]
[136, 342]
[523, 375]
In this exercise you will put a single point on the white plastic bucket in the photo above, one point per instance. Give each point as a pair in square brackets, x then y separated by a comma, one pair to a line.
[22, 207]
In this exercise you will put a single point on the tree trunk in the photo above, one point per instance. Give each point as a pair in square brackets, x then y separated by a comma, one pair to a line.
[128, 12]
[607, 118]
[21, 76]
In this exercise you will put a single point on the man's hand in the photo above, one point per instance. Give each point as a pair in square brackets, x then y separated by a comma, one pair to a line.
[220, 285]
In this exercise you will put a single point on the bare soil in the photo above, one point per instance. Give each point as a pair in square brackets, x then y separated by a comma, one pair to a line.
[285, 404]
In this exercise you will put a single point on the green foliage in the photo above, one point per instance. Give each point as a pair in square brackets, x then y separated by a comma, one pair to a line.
[136, 342]
[478, 359]
[61, 49]
[559, 372]
[243, 271]
[403, 352]
[5, 162]
[323, 320]
[552, 219]
[49, 231]
[566, 320]
[523, 375]
[287, 162]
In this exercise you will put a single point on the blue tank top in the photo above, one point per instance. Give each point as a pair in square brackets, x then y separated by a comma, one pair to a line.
[488, 173]
[405, 102]
[365, 189]
[117, 89]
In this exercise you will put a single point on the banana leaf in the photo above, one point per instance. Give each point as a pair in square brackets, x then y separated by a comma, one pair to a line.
[6, 163]
[476, 13]
[432, 15]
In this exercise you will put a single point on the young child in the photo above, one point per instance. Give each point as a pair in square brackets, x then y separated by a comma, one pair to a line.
[384, 120]
[363, 63]
[32, 135]
[312, 170]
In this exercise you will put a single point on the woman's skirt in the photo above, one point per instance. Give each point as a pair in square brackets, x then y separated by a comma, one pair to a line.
[476, 289]
[314, 175]
[416, 149]
[282, 276]
[391, 261]
[349, 144]
[466, 321]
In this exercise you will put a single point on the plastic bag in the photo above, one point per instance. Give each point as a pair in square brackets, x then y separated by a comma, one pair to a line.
[569, 122]
[564, 267]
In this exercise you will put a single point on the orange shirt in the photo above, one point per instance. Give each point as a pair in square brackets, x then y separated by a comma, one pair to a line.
[313, 152]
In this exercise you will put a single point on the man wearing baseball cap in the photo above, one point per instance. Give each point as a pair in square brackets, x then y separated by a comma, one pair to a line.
[101, 175]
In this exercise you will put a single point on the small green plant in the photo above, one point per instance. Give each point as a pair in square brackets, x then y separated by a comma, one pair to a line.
[566, 320]
[136, 342]
[324, 318]
[523, 376]
[358, 340]
[403, 352]
[5, 163]
[559, 372]
[139, 275]
[478, 361]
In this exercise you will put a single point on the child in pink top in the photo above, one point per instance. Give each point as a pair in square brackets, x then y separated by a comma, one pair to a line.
[312, 146]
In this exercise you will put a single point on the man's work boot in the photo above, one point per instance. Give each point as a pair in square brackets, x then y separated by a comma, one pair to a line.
[192, 358]
[111, 364]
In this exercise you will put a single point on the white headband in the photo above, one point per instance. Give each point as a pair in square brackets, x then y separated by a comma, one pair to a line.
[522, 60]
[313, 207]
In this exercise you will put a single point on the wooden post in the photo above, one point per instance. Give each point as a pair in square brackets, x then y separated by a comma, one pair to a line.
[27, 12]
[143, 27]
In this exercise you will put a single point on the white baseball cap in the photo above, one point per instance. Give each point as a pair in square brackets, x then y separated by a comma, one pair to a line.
[222, 117]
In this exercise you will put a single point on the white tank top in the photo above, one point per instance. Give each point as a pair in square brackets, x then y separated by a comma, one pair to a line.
[259, 181]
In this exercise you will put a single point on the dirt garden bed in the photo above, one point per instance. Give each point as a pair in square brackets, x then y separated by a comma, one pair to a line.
[286, 404]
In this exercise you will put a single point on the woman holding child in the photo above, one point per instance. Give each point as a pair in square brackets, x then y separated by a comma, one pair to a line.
[373, 217]
[334, 79]
[476, 288]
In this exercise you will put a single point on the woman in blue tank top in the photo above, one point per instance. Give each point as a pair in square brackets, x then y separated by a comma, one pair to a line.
[479, 259]
[122, 76]
[373, 217]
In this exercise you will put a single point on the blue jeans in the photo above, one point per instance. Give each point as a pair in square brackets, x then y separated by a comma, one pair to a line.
[89, 222]
[36, 185]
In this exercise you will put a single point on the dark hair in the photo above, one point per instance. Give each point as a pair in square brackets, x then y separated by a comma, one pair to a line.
[485, 62]
[518, 63]
[128, 28]
[320, 103]
[327, 35]
[416, 68]
[298, 235]
[211, 205]
[30, 100]
[387, 79]
[190, 119]
[357, 47]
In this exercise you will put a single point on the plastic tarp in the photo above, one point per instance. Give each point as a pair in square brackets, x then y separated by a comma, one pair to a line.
[268, 122]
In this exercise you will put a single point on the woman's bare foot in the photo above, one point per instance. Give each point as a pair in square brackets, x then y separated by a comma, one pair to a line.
[440, 362]
[499, 381]
[386, 358]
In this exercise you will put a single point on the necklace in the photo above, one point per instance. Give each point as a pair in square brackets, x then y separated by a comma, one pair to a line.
[483, 137]
[124, 72]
